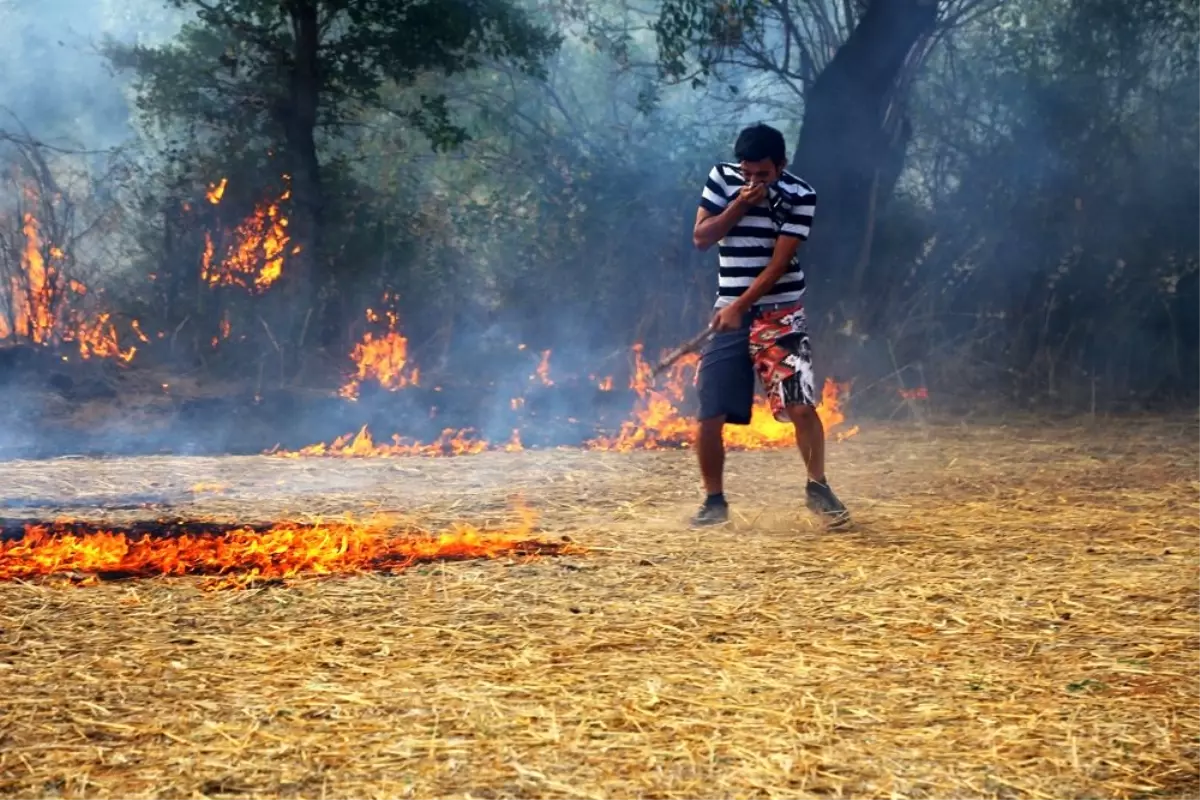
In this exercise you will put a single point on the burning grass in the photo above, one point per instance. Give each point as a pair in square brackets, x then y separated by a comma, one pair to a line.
[1014, 614]
[240, 555]
[656, 421]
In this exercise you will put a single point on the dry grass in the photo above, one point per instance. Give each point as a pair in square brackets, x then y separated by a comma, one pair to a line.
[1013, 615]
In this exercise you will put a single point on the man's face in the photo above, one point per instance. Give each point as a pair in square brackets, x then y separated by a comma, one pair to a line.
[761, 172]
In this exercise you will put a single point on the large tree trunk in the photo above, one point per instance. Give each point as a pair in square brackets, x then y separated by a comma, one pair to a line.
[300, 123]
[852, 145]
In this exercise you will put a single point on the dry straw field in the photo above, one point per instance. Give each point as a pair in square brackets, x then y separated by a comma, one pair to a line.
[1014, 614]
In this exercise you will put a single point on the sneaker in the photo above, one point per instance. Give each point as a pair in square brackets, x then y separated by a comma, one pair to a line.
[711, 514]
[822, 501]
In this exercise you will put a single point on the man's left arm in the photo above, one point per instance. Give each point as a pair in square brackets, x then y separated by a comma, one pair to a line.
[797, 223]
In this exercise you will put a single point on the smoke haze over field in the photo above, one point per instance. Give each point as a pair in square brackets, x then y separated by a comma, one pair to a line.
[57, 81]
[1025, 235]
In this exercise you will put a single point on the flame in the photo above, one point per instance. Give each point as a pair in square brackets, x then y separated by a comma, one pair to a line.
[383, 359]
[656, 419]
[514, 443]
[253, 252]
[35, 316]
[919, 393]
[656, 422]
[225, 328]
[99, 338]
[606, 384]
[362, 445]
[214, 193]
[39, 302]
[543, 369]
[231, 556]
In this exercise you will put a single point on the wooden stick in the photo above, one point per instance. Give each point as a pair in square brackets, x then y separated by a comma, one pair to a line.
[690, 346]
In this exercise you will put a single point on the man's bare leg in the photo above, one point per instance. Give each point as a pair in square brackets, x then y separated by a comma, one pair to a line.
[710, 451]
[810, 438]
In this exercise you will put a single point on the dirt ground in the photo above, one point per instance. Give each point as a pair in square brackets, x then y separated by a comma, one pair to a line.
[1013, 614]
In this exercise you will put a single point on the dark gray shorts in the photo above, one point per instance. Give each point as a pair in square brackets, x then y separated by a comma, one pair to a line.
[779, 356]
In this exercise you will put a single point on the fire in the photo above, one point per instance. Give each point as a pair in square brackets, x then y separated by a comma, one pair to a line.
[225, 328]
[543, 369]
[231, 556]
[252, 254]
[656, 422]
[35, 316]
[362, 445]
[39, 303]
[656, 419]
[383, 359]
[99, 338]
[919, 393]
[217, 191]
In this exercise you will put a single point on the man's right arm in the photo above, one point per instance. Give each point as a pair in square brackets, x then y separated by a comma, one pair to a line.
[718, 214]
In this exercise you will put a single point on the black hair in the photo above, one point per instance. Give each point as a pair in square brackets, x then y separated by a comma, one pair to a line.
[758, 142]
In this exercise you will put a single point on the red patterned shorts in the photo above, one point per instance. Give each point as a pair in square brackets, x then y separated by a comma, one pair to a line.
[772, 344]
[782, 358]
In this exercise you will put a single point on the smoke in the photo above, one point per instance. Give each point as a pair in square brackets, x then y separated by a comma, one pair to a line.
[57, 81]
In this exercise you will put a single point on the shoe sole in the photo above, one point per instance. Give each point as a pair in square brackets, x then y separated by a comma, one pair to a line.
[696, 525]
[838, 520]
[833, 519]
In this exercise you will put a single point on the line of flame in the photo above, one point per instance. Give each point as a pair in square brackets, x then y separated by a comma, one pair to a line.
[241, 556]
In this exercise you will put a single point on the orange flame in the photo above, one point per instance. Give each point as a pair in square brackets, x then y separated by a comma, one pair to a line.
[254, 252]
[543, 369]
[656, 423]
[215, 192]
[362, 445]
[383, 359]
[225, 328]
[35, 316]
[233, 556]
[38, 303]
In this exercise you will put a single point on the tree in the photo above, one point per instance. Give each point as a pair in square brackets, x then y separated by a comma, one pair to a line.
[286, 76]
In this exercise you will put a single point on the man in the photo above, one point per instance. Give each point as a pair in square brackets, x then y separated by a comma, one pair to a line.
[759, 213]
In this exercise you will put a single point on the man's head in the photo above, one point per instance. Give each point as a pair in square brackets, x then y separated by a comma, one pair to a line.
[761, 153]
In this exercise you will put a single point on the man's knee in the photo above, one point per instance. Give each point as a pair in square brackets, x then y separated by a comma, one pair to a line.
[802, 414]
[710, 425]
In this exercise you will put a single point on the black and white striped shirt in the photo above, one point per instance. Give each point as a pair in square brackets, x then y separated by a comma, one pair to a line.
[747, 249]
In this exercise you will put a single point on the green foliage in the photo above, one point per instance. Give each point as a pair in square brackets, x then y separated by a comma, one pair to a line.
[1062, 142]
[572, 194]
[694, 36]
[232, 69]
